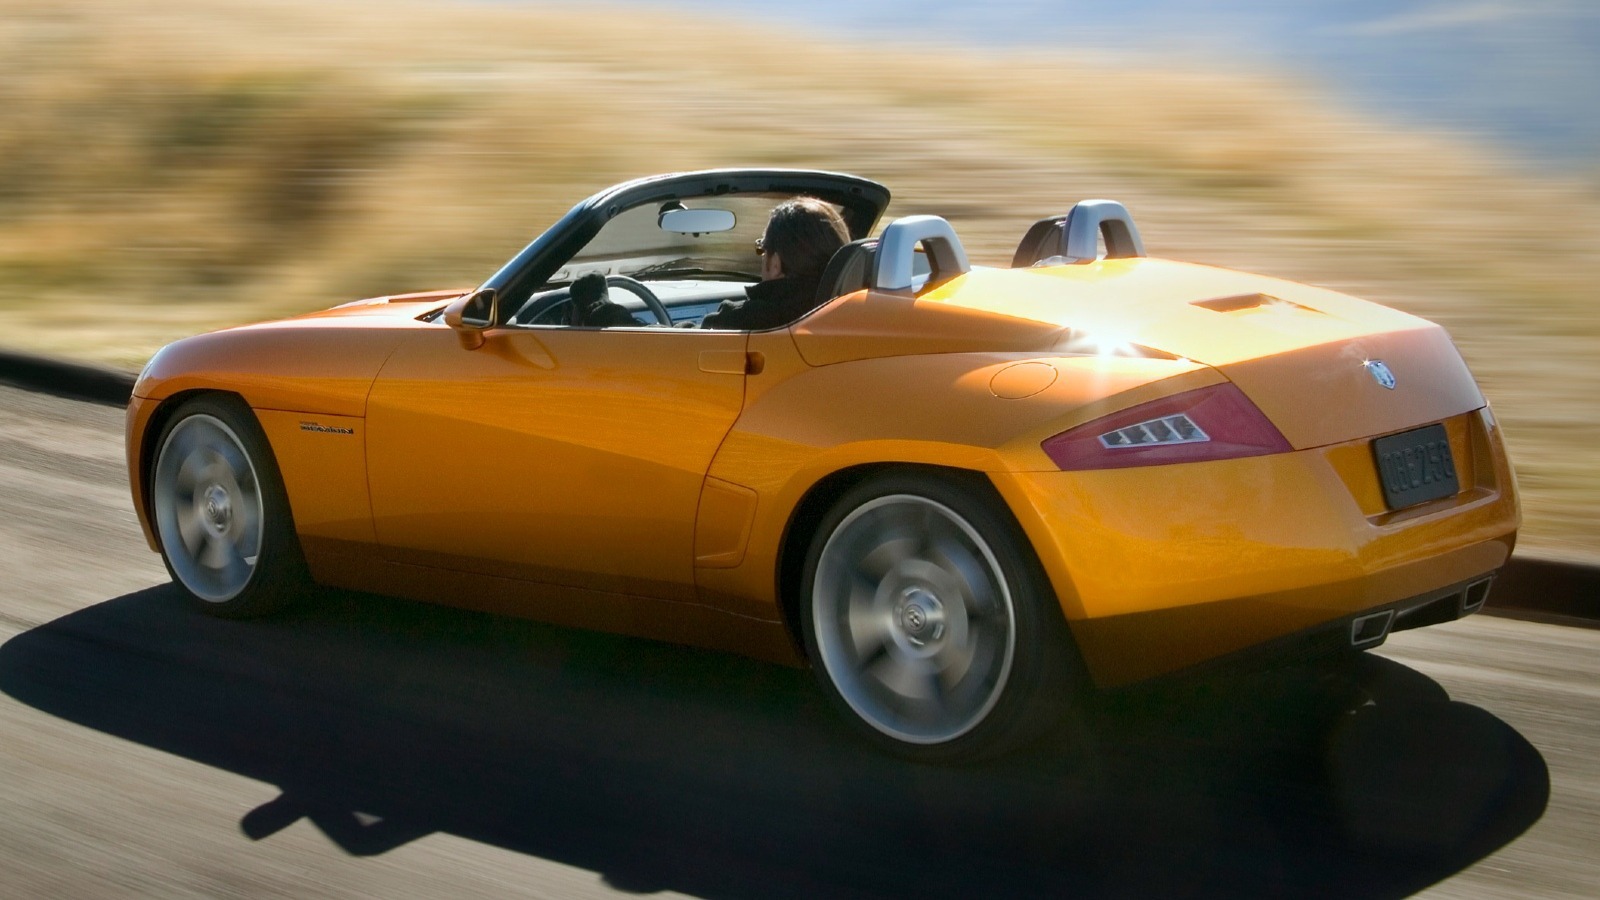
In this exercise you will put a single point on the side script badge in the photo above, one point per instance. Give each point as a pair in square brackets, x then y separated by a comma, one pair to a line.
[1380, 373]
[320, 428]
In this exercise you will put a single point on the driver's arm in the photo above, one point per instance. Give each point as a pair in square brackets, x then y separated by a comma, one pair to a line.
[591, 305]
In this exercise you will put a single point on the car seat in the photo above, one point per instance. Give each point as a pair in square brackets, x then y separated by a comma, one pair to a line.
[848, 270]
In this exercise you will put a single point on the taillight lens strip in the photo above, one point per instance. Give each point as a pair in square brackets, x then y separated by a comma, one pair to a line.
[1215, 422]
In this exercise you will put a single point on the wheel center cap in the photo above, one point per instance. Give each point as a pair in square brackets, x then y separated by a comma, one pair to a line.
[920, 616]
[218, 507]
[915, 618]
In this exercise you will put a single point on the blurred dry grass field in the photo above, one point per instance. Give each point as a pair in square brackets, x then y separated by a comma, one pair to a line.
[176, 165]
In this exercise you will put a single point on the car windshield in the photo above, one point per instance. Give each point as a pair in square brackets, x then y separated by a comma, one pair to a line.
[634, 244]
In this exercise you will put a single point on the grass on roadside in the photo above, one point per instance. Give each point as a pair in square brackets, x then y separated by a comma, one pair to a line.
[179, 165]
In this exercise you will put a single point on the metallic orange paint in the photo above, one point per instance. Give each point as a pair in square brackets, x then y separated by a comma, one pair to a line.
[325, 457]
[592, 447]
[1216, 536]
[645, 480]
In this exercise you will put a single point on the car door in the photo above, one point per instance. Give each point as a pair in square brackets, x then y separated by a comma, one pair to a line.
[556, 455]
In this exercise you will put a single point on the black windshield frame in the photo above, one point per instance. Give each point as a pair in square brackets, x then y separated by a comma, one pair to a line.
[861, 202]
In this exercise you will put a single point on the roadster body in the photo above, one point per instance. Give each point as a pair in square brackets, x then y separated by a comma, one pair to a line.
[960, 494]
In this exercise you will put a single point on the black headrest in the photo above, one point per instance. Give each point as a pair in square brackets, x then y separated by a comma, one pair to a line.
[1045, 238]
[848, 271]
[1077, 236]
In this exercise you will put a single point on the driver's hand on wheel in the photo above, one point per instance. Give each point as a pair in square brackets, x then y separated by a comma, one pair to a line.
[591, 304]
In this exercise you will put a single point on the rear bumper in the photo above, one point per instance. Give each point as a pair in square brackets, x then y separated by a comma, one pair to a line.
[1361, 631]
[1133, 647]
[1164, 568]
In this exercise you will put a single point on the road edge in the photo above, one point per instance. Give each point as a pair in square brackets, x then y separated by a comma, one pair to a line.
[1547, 590]
[74, 381]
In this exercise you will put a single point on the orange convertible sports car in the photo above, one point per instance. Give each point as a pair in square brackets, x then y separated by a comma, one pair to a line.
[960, 494]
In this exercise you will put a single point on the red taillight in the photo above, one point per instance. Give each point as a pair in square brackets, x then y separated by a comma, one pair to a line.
[1217, 422]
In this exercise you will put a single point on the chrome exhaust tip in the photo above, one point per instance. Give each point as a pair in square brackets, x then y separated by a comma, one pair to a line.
[1473, 598]
[1371, 629]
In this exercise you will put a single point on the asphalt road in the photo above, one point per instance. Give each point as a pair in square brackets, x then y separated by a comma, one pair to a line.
[364, 746]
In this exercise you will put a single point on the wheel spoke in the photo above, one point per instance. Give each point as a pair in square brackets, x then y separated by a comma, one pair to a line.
[953, 664]
[890, 552]
[874, 656]
[182, 444]
[869, 625]
[939, 689]
[238, 569]
[190, 530]
[189, 474]
[902, 678]
[231, 459]
[215, 553]
[247, 533]
[210, 467]
[957, 557]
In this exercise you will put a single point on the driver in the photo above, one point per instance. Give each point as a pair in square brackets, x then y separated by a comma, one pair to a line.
[802, 235]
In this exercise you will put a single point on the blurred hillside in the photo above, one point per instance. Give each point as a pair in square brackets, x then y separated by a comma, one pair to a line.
[1522, 74]
[184, 164]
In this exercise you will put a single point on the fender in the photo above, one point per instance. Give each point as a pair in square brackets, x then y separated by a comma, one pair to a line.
[804, 423]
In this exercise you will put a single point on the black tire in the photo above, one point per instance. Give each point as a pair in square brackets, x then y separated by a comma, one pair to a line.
[929, 622]
[220, 512]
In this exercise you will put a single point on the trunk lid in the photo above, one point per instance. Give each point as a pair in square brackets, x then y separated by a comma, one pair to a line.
[1303, 354]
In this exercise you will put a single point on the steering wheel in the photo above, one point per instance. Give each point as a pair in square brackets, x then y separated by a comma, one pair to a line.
[637, 288]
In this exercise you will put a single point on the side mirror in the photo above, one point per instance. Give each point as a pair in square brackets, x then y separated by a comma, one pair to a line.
[471, 315]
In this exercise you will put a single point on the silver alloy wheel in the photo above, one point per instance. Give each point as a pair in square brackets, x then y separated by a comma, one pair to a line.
[208, 508]
[913, 618]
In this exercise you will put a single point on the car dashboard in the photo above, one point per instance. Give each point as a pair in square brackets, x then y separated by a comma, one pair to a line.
[687, 301]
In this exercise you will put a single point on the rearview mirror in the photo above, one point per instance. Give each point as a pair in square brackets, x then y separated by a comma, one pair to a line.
[695, 221]
[471, 314]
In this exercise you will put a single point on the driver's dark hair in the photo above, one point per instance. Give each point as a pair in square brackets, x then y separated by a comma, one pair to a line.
[805, 233]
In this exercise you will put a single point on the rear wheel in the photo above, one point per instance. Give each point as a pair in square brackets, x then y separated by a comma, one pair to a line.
[220, 511]
[929, 622]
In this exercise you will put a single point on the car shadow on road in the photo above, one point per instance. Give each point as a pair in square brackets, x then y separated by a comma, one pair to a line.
[662, 767]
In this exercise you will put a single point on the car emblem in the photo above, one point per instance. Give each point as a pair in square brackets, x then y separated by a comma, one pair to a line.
[1380, 373]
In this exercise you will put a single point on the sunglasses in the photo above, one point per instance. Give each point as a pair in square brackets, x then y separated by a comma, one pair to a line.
[761, 246]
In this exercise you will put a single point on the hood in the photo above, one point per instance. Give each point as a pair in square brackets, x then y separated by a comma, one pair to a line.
[407, 306]
[320, 362]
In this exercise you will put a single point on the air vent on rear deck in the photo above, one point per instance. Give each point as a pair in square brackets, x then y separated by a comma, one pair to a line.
[1247, 302]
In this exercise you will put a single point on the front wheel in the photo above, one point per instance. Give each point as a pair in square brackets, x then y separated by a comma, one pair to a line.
[929, 622]
[220, 511]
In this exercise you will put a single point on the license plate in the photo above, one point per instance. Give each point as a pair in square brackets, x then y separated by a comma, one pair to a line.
[1415, 466]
